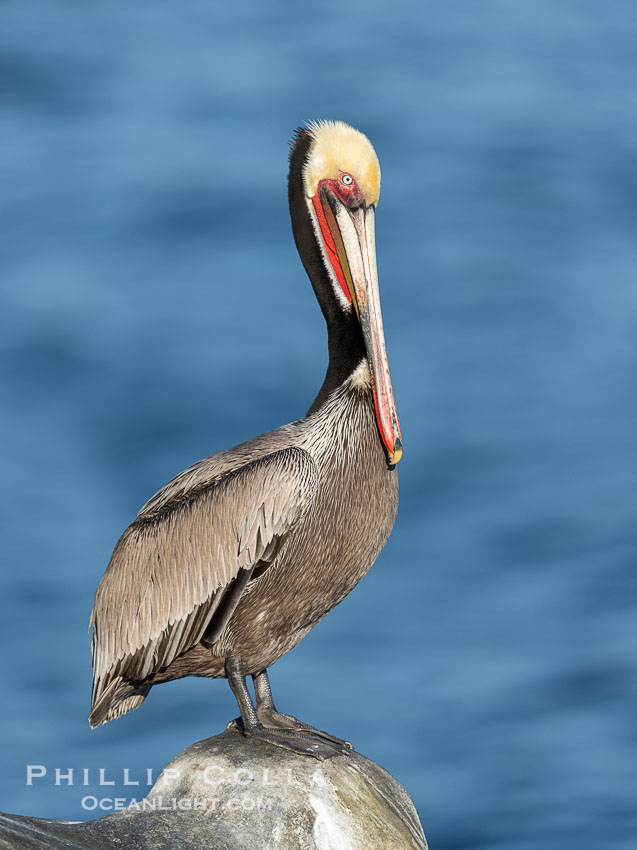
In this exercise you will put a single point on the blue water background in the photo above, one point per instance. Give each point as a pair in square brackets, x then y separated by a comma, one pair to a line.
[154, 310]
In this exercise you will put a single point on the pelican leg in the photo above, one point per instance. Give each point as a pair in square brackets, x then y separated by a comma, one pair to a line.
[271, 718]
[250, 725]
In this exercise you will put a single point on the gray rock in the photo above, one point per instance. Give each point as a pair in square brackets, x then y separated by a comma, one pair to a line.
[236, 793]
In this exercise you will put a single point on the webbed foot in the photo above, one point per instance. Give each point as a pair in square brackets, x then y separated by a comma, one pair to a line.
[271, 718]
[288, 739]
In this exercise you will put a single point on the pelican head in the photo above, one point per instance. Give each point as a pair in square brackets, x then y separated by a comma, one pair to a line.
[341, 185]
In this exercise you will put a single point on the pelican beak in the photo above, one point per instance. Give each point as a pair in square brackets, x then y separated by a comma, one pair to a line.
[353, 252]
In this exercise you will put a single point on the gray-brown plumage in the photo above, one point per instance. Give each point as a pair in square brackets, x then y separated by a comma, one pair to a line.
[233, 562]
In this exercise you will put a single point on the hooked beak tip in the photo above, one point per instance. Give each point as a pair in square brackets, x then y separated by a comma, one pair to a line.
[396, 455]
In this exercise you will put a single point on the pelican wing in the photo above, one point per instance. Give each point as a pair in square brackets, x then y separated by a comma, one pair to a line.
[172, 568]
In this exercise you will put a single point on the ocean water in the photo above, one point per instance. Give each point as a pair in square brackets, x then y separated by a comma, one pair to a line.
[154, 311]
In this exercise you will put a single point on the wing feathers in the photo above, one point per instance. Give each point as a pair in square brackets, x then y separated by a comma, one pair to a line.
[168, 573]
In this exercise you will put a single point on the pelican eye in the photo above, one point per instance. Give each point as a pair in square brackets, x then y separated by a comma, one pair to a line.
[347, 179]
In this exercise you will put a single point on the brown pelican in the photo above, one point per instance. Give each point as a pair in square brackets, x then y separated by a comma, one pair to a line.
[233, 562]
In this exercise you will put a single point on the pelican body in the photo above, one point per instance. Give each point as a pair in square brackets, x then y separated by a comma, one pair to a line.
[233, 562]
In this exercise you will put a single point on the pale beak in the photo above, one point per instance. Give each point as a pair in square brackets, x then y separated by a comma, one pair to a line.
[355, 244]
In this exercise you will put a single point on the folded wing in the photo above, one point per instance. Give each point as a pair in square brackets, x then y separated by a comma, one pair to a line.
[178, 568]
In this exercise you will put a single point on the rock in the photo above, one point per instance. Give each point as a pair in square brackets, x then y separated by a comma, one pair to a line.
[236, 793]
